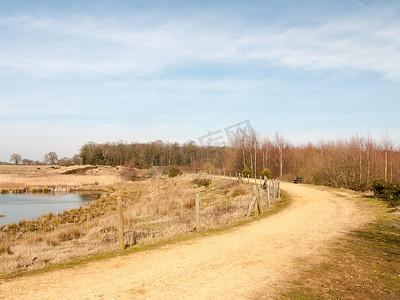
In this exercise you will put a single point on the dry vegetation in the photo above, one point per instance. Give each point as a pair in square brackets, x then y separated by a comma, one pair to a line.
[48, 178]
[154, 209]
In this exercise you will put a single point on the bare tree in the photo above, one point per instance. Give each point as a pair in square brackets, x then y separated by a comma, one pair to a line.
[51, 158]
[280, 143]
[76, 159]
[16, 158]
[387, 146]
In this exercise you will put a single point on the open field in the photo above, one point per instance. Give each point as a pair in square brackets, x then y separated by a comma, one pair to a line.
[153, 209]
[253, 261]
[329, 243]
[46, 178]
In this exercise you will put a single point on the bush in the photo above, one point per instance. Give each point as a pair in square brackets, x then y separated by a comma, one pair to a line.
[67, 234]
[389, 192]
[202, 182]
[246, 172]
[174, 172]
[266, 173]
[79, 171]
[129, 171]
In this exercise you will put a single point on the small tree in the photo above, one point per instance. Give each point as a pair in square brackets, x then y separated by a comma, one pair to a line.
[16, 159]
[51, 158]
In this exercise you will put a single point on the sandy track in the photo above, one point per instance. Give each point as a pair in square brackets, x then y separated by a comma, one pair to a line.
[231, 265]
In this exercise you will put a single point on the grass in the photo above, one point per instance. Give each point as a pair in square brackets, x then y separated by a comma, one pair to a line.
[153, 209]
[363, 265]
[280, 205]
[49, 178]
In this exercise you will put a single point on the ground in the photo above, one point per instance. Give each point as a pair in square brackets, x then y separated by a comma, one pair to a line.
[252, 261]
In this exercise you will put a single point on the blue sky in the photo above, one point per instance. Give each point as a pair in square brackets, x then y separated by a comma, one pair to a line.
[78, 71]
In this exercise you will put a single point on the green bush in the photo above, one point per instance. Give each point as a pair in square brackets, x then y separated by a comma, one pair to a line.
[246, 172]
[202, 182]
[266, 173]
[174, 172]
[389, 192]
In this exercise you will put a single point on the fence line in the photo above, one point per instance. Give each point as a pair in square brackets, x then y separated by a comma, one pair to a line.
[109, 225]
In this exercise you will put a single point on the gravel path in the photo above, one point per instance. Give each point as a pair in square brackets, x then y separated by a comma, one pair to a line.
[236, 264]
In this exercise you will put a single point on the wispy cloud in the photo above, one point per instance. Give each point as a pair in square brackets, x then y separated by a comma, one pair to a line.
[93, 46]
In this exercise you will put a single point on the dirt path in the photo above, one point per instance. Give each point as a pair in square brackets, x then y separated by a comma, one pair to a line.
[232, 265]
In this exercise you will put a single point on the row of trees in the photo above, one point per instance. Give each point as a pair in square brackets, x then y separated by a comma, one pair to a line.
[152, 154]
[50, 158]
[354, 163]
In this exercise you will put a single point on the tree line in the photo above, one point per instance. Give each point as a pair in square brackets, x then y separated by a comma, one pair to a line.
[50, 158]
[158, 153]
[355, 163]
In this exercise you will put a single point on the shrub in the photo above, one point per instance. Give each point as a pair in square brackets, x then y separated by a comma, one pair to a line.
[266, 173]
[246, 172]
[67, 234]
[79, 170]
[174, 172]
[389, 192]
[238, 191]
[208, 168]
[129, 171]
[202, 182]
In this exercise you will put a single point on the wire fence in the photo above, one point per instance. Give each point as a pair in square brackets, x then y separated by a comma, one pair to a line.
[95, 227]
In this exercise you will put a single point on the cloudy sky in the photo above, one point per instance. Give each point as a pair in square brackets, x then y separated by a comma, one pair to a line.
[78, 71]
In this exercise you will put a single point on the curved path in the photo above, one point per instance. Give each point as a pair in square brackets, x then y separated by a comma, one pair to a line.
[231, 265]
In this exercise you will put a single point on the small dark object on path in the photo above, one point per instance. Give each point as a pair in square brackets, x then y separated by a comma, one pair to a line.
[298, 180]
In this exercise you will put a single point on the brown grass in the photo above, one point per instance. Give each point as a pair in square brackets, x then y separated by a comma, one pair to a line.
[49, 178]
[154, 209]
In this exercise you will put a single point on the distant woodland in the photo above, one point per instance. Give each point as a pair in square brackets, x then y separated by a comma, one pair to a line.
[354, 163]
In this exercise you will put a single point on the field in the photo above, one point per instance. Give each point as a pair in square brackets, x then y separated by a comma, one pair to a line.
[317, 243]
[48, 178]
[153, 209]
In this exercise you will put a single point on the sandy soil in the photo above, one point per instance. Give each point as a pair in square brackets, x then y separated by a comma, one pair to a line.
[237, 264]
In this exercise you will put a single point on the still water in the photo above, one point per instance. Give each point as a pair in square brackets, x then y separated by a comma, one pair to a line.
[17, 207]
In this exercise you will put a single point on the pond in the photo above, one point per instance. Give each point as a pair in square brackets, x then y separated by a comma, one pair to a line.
[15, 207]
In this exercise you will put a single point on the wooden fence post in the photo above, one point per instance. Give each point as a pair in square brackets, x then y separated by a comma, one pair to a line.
[255, 202]
[197, 217]
[259, 199]
[279, 190]
[120, 225]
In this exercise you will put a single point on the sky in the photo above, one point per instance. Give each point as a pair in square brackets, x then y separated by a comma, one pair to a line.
[138, 71]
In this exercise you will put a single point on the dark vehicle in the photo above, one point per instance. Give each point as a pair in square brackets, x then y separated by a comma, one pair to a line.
[298, 180]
